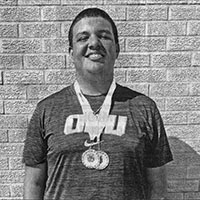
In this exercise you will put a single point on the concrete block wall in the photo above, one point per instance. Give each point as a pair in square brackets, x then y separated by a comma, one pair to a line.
[160, 56]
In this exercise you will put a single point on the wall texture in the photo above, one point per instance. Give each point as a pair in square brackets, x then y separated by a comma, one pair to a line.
[160, 56]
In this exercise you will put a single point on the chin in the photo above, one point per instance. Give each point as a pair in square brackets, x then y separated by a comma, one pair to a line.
[96, 68]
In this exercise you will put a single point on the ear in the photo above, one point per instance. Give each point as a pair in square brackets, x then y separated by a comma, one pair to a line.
[71, 59]
[117, 50]
[70, 51]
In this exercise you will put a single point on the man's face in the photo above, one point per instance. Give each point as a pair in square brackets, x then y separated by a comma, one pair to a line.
[94, 49]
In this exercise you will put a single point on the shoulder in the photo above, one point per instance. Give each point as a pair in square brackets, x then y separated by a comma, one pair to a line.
[124, 93]
[57, 97]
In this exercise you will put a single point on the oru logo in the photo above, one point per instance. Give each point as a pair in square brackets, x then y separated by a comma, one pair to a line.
[114, 125]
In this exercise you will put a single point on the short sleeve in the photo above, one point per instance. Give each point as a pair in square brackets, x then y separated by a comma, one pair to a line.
[157, 151]
[35, 147]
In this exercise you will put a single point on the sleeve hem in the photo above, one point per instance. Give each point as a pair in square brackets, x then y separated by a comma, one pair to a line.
[159, 164]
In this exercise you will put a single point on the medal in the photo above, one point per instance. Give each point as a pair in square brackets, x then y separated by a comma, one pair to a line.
[90, 158]
[104, 160]
[96, 124]
[95, 159]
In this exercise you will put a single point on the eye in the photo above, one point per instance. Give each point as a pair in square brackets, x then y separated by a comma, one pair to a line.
[82, 38]
[105, 37]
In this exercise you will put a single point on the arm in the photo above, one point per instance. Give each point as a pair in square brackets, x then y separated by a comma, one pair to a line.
[35, 180]
[157, 183]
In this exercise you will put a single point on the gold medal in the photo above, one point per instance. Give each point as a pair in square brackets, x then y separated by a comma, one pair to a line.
[104, 160]
[90, 158]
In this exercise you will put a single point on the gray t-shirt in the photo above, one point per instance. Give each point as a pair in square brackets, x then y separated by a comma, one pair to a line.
[134, 140]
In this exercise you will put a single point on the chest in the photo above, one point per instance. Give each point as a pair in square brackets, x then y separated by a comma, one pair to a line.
[125, 131]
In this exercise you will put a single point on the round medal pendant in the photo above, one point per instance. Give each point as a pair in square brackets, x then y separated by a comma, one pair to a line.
[90, 158]
[104, 160]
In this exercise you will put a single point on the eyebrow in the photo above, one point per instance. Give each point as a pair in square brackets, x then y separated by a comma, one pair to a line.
[99, 31]
[105, 31]
[81, 33]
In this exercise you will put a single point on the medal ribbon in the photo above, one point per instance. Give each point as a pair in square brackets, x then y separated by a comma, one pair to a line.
[95, 123]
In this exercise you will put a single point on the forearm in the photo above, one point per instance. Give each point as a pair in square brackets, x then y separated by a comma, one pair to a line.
[157, 196]
[158, 191]
[35, 182]
[33, 191]
[157, 184]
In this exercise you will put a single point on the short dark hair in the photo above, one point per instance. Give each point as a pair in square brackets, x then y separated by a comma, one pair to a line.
[92, 12]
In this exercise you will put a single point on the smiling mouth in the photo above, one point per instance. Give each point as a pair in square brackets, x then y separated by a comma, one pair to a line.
[95, 56]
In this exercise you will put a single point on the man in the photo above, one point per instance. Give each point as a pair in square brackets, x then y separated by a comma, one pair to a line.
[95, 140]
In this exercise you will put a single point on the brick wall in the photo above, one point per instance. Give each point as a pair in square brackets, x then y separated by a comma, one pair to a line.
[160, 56]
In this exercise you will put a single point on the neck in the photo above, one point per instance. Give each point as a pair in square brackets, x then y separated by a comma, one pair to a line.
[94, 87]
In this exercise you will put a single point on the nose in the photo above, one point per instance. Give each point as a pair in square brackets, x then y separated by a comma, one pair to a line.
[94, 42]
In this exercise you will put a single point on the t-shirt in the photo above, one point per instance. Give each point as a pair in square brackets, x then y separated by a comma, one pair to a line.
[134, 139]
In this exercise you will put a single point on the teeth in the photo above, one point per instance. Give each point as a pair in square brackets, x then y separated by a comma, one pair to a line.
[95, 56]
